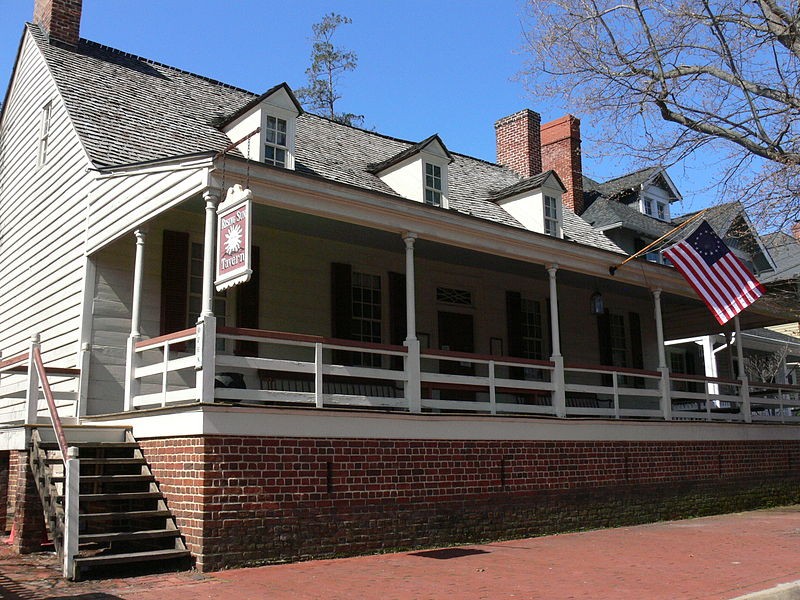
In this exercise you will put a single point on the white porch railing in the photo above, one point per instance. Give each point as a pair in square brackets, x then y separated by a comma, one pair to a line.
[16, 387]
[305, 370]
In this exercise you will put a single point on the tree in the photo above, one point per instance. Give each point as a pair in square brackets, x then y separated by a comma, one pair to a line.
[669, 77]
[328, 64]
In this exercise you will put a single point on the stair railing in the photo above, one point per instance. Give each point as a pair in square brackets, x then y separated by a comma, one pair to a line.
[69, 455]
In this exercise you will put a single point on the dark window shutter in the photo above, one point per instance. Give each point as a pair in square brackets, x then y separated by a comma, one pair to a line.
[174, 281]
[397, 314]
[341, 301]
[516, 345]
[604, 337]
[397, 308]
[637, 355]
[247, 303]
[514, 323]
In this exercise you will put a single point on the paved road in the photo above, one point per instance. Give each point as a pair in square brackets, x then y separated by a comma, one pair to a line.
[709, 558]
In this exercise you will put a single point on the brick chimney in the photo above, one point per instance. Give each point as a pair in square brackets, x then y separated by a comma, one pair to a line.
[796, 230]
[61, 19]
[561, 152]
[518, 140]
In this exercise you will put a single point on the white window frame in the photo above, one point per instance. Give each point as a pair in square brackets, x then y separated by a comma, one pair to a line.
[275, 145]
[551, 224]
[433, 183]
[45, 131]
[288, 117]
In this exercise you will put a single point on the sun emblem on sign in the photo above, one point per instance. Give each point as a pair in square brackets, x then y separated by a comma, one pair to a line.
[233, 239]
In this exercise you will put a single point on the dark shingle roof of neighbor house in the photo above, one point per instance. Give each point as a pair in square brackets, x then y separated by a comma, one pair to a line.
[604, 213]
[128, 109]
[626, 182]
[785, 252]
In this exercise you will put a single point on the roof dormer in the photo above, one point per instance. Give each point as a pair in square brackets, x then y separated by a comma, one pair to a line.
[536, 202]
[274, 115]
[656, 194]
[419, 172]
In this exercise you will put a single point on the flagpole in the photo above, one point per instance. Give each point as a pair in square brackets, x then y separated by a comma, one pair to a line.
[613, 269]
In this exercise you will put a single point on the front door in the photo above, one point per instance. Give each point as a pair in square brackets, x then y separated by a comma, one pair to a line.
[456, 333]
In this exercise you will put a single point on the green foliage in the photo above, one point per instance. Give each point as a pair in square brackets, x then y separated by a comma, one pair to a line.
[328, 63]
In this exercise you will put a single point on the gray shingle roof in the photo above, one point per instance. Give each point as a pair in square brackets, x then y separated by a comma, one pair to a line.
[785, 251]
[626, 182]
[604, 212]
[128, 109]
[525, 185]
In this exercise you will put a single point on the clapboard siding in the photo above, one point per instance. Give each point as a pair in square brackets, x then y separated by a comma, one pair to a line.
[120, 203]
[42, 218]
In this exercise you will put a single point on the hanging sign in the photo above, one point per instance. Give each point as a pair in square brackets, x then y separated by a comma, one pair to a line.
[234, 226]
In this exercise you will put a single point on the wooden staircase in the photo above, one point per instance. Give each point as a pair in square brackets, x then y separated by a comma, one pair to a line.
[123, 517]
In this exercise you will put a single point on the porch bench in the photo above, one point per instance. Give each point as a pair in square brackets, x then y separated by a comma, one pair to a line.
[284, 381]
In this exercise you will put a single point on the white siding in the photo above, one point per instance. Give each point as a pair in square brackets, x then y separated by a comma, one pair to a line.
[119, 203]
[42, 218]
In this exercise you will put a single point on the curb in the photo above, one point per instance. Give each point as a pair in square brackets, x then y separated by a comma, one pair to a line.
[785, 591]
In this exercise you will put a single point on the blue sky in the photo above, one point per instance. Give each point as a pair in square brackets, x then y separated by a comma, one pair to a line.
[445, 67]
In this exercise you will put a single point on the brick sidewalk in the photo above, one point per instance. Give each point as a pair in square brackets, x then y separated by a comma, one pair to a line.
[709, 558]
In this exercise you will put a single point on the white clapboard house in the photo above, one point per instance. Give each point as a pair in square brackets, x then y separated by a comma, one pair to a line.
[402, 296]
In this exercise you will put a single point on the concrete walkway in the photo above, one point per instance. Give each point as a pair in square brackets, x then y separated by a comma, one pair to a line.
[719, 557]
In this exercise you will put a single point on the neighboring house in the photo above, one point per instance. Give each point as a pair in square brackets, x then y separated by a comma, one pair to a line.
[634, 210]
[401, 368]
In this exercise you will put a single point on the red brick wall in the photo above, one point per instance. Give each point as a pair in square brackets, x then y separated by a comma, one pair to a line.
[60, 18]
[245, 501]
[518, 143]
[561, 152]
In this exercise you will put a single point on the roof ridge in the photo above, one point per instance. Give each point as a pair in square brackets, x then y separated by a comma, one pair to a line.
[634, 172]
[150, 61]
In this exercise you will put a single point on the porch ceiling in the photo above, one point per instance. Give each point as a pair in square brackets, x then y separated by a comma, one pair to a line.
[682, 316]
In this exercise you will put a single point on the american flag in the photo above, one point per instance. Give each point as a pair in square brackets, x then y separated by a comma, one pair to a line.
[719, 278]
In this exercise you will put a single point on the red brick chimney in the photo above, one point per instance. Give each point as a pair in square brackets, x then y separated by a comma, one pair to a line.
[519, 142]
[796, 230]
[61, 19]
[561, 152]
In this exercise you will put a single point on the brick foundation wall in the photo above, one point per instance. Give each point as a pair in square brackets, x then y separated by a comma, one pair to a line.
[14, 463]
[250, 500]
[4, 480]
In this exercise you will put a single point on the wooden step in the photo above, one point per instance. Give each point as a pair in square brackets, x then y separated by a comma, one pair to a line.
[101, 461]
[121, 496]
[79, 445]
[115, 478]
[110, 559]
[124, 536]
[128, 514]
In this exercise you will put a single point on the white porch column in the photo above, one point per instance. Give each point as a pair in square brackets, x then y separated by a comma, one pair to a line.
[744, 390]
[559, 382]
[413, 369]
[131, 385]
[710, 364]
[206, 342]
[666, 396]
[212, 199]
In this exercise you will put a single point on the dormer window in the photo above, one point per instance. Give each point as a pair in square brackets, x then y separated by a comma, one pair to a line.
[264, 129]
[275, 147]
[418, 173]
[551, 216]
[433, 184]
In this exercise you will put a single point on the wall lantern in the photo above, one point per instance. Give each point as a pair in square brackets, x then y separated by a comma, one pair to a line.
[596, 305]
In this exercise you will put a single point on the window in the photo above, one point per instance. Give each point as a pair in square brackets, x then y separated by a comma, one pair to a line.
[220, 302]
[550, 216]
[433, 184]
[367, 314]
[453, 296]
[618, 341]
[532, 331]
[44, 132]
[662, 211]
[275, 146]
